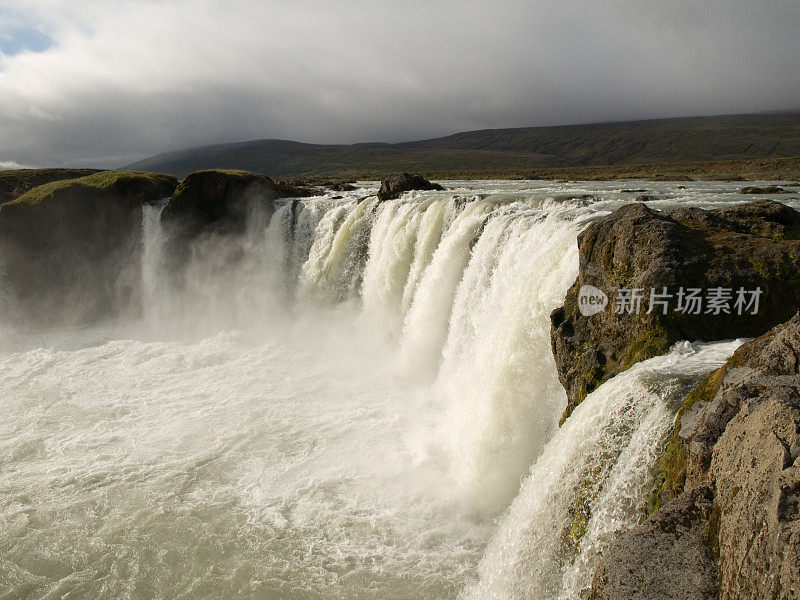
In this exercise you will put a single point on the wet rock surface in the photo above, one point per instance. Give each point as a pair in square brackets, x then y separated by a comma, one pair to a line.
[732, 470]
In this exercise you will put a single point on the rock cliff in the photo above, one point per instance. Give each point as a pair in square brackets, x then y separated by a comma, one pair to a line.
[729, 526]
[17, 182]
[70, 249]
[686, 274]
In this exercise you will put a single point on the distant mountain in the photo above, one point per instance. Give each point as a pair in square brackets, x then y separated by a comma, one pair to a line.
[507, 151]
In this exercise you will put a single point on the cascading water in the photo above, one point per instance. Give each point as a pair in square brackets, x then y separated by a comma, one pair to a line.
[593, 480]
[498, 374]
[152, 251]
[337, 257]
[341, 403]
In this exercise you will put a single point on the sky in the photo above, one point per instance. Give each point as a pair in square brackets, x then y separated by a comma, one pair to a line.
[106, 82]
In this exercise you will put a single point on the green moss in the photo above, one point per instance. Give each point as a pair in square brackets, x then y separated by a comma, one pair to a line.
[590, 345]
[608, 258]
[98, 181]
[581, 511]
[587, 382]
[237, 173]
[652, 341]
[15, 183]
[654, 501]
[580, 522]
[673, 468]
[711, 530]
[622, 277]
[586, 245]
[704, 392]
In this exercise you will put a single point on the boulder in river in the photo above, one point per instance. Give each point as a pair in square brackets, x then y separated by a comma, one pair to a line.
[770, 189]
[393, 187]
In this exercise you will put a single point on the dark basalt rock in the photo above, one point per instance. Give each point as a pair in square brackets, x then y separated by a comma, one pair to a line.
[341, 186]
[770, 189]
[218, 203]
[393, 187]
[749, 246]
[730, 521]
[70, 249]
[582, 199]
[338, 185]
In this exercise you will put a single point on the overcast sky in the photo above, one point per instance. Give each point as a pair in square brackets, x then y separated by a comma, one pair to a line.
[106, 82]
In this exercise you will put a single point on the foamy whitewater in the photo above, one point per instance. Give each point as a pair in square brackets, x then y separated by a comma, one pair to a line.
[355, 400]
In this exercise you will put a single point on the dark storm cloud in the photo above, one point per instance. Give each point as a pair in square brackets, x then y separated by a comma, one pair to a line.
[124, 79]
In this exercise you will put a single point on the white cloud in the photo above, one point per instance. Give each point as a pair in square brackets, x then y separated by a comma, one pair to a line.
[11, 165]
[125, 78]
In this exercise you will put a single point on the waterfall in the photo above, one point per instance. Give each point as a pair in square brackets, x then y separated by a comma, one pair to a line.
[592, 481]
[354, 398]
[425, 327]
[152, 253]
[461, 287]
[336, 260]
[498, 374]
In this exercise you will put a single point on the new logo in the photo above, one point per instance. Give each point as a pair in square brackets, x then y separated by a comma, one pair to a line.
[591, 300]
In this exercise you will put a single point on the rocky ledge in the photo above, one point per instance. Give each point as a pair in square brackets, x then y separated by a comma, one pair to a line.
[220, 201]
[729, 524]
[210, 205]
[685, 274]
[70, 248]
[17, 182]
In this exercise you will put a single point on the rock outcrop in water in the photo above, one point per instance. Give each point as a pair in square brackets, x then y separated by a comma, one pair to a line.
[770, 189]
[735, 257]
[220, 201]
[211, 204]
[70, 249]
[393, 187]
[732, 528]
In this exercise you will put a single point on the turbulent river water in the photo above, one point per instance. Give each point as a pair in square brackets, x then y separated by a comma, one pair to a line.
[355, 401]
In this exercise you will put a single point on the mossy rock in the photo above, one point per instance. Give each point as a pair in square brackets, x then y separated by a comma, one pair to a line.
[673, 465]
[749, 246]
[15, 183]
[130, 186]
[71, 249]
